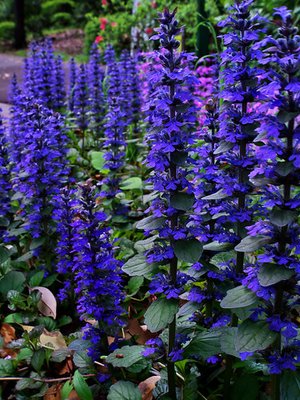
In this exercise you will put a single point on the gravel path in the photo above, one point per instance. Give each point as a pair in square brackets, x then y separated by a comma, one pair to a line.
[9, 65]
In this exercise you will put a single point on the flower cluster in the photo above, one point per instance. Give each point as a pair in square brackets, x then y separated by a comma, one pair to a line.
[114, 128]
[96, 271]
[5, 184]
[44, 75]
[64, 214]
[96, 95]
[41, 168]
[279, 157]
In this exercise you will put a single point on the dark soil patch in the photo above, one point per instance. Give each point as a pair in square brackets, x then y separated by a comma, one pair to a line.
[69, 41]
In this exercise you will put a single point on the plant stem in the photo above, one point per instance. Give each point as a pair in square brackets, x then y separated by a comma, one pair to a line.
[174, 261]
[278, 304]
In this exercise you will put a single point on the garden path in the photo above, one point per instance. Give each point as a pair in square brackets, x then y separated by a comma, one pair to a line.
[9, 64]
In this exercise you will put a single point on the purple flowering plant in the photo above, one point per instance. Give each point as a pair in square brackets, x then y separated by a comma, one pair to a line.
[149, 220]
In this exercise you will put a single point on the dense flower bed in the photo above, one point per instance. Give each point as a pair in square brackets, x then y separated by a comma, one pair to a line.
[149, 220]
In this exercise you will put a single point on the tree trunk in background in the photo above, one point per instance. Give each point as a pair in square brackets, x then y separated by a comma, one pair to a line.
[20, 38]
[203, 34]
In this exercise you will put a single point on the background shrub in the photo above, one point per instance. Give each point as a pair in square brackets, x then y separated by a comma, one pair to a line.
[7, 29]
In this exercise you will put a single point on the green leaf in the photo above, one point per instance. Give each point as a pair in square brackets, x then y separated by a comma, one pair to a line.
[15, 318]
[97, 160]
[252, 366]
[228, 338]
[286, 116]
[38, 359]
[205, 344]
[81, 387]
[238, 297]
[36, 279]
[7, 367]
[290, 385]
[221, 258]
[79, 345]
[150, 223]
[216, 196]
[281, 217]
[134, 285]
[4, 254]
[139, 366]
[60, 355]
[25, 257]
[4, 222]
[134, 183]
[248, 382]
[252, 243]
[284, 168]
[217, 246]
[138, 266]
[188, 250]
[190, 389]
[24, 354]
[146, 244]
[66, 390]
[124, 390]
[82, 360]
[254, 336]
[13, 280]
[182, 201]
[269, 274]
[125, 356]
[160, 314]
[35, 243]
[27, 383]
[223, 147]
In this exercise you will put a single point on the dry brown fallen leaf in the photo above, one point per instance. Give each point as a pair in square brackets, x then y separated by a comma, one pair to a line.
[53, 339]
[65, 367]
[53, 393]
[47, 305]
[147, 386]
[8, 334]
[139, 331]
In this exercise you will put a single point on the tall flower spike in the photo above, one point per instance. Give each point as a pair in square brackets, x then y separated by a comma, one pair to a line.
[73, 78]
[41, 169]
[81, 104]
[64, 214]
[241, 78]
[58, 84]
[96, 95]
[114, 132]
[5, 184]
[126, 90]
[279, 154]
[238, 121]
[96, 271]
[206, 228]
[171, 120]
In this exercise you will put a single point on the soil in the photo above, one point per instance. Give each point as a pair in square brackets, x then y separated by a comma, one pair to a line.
[69, 41]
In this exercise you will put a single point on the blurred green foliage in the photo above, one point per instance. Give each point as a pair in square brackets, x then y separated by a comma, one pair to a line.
[42, 15]
[7, 30]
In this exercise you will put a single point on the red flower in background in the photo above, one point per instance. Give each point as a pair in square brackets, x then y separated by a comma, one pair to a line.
[103, 23]
[153, 4]
[149, 31]
[99, 39]
[104, 2]
[114, 24]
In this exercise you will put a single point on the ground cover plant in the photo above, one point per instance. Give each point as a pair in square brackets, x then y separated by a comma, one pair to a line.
[149, 219]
